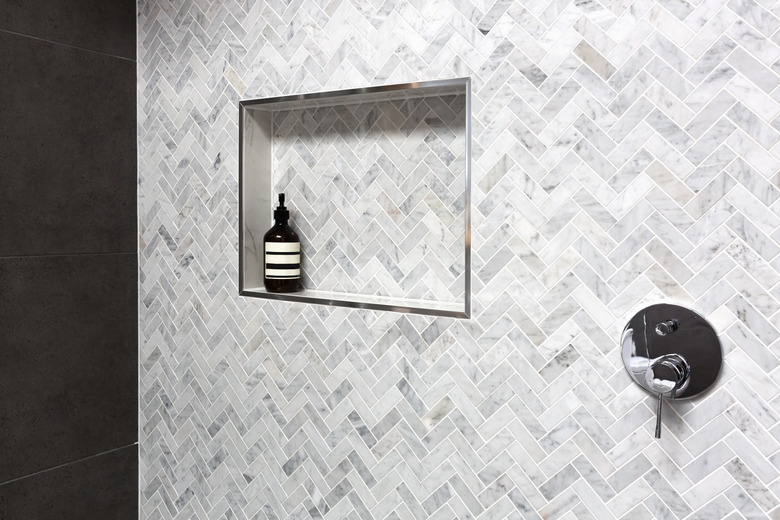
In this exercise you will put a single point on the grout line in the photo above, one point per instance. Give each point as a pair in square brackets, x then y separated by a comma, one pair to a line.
[67, 464]
[38, 38]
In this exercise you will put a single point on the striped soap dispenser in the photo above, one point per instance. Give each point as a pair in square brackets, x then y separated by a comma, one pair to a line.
[282, 251]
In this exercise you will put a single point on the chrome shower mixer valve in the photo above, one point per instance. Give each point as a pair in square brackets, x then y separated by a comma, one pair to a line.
[672, 352]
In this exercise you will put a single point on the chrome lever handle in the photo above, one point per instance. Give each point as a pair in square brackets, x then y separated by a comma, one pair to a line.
[666, 375]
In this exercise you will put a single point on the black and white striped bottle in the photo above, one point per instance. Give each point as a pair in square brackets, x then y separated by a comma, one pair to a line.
[282, 252]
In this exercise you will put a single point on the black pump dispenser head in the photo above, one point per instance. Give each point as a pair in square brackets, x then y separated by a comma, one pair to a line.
[281, 215]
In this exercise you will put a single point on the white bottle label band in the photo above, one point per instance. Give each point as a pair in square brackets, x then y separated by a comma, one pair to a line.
[282, 247]
[275, 258]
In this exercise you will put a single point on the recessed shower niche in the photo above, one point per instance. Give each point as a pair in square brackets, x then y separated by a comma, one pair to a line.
[377, 181]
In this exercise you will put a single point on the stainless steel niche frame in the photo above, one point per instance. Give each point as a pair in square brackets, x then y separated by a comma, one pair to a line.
[256, 193]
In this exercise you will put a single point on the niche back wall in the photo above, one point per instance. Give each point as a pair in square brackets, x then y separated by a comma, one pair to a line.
[624, 154]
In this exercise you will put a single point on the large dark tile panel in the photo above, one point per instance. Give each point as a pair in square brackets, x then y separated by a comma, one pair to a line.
[68, 154]
[103, 487]
[68, 372]
[100, 25]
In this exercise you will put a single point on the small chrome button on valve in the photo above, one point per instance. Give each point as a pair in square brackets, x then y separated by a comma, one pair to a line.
[672, 352]
[667, 327]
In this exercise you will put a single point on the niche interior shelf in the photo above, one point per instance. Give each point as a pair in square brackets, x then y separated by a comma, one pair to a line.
[377, 181]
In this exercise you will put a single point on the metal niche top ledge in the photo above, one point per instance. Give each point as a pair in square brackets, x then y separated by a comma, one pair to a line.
[378, 184]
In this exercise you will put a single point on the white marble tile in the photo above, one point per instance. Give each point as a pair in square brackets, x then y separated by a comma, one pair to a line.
[753, 97]
[713, 25]
[754, 13]
[756, 43]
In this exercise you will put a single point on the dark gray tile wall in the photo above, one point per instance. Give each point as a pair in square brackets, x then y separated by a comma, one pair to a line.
[107, 27]
[69, 155]
[68, 260]
[104, 487]
[69, 330]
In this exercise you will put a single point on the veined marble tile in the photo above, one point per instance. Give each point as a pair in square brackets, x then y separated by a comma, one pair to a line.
[754, 70]
[756, 43]
[752, 96]
[749, 463]
[702, 13]
[669, 156]
[754, 126]
[714, 18]
[753, 236]
[710, 60]
[720, 507]
[762, 160]
[594, 34]
[630, 151]
[632, 41]
[595, 60]
[710, 86]
[754, 13]
[669, 183]
[710, 114]
[673, 55]
[710, 141]
[755, 294]
[670, 79]
[761, 412]
[743, 500]
[680, 219]
[670, 23]
[715, 457]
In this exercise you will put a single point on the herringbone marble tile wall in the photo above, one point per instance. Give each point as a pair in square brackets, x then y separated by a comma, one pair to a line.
[624, 153]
